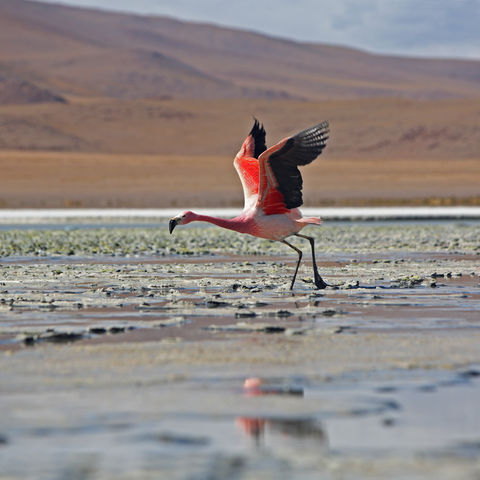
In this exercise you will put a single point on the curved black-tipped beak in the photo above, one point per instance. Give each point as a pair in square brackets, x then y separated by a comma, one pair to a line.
[172, 225]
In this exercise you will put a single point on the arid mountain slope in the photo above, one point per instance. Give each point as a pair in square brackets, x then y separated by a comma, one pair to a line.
[83, 52]
[365, 128]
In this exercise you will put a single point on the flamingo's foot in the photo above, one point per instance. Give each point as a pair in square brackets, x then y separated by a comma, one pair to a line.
[319, 283]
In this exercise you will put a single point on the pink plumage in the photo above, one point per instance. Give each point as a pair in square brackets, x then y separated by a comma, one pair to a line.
[272, 187]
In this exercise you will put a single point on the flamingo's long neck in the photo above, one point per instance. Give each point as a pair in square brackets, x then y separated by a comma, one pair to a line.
[236, 224]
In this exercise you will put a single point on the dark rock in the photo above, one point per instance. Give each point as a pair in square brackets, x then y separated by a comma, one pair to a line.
[215, 304]
[61, 337]
[97, 330]
[245, 314]
[116, 329]
[273, 329]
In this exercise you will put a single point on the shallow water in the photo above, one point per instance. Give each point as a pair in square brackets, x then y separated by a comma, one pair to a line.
[122, 366]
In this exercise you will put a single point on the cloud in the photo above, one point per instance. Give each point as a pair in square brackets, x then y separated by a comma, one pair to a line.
[408, 27]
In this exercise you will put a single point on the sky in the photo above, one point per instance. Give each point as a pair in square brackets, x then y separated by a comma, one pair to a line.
[439, 28]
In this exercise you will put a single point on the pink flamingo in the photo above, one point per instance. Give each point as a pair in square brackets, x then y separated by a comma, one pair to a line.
[272, 187]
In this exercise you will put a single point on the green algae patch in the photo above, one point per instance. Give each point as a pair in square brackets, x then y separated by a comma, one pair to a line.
[355, 238]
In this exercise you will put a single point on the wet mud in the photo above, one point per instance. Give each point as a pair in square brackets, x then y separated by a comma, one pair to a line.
[128, 353]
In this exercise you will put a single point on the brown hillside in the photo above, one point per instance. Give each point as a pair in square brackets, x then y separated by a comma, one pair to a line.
[14, 90]
[74, 51]
[364, 128]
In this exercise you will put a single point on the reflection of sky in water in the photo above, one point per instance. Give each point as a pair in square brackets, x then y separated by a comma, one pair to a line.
[421, 411]
[384, 413]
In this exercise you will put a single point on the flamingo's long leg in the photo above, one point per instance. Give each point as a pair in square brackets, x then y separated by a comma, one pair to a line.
[298, 263]
[320, 284]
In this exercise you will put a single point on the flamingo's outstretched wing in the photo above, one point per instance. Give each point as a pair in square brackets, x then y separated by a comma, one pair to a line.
[246, 163]
[281, 183]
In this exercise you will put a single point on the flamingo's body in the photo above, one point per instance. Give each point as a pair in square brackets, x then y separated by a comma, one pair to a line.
[272, 187]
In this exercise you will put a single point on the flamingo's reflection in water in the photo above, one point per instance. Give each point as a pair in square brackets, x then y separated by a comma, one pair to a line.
[265, 430]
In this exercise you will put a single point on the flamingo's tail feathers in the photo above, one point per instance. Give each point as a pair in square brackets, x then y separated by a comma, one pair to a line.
[311, 221]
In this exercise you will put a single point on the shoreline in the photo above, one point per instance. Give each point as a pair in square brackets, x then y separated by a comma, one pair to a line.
[145, 215]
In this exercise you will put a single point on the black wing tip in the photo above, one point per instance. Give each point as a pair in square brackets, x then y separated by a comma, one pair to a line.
[257, 128]
[258, 133]
[325, 125]
[322, 128]
[311, 142]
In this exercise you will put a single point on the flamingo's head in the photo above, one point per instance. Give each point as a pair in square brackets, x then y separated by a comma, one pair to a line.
[181, 219]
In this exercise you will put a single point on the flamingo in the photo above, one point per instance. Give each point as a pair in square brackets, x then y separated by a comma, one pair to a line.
[272, 187]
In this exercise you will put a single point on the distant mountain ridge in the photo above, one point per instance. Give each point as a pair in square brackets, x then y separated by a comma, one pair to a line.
[51, 52]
